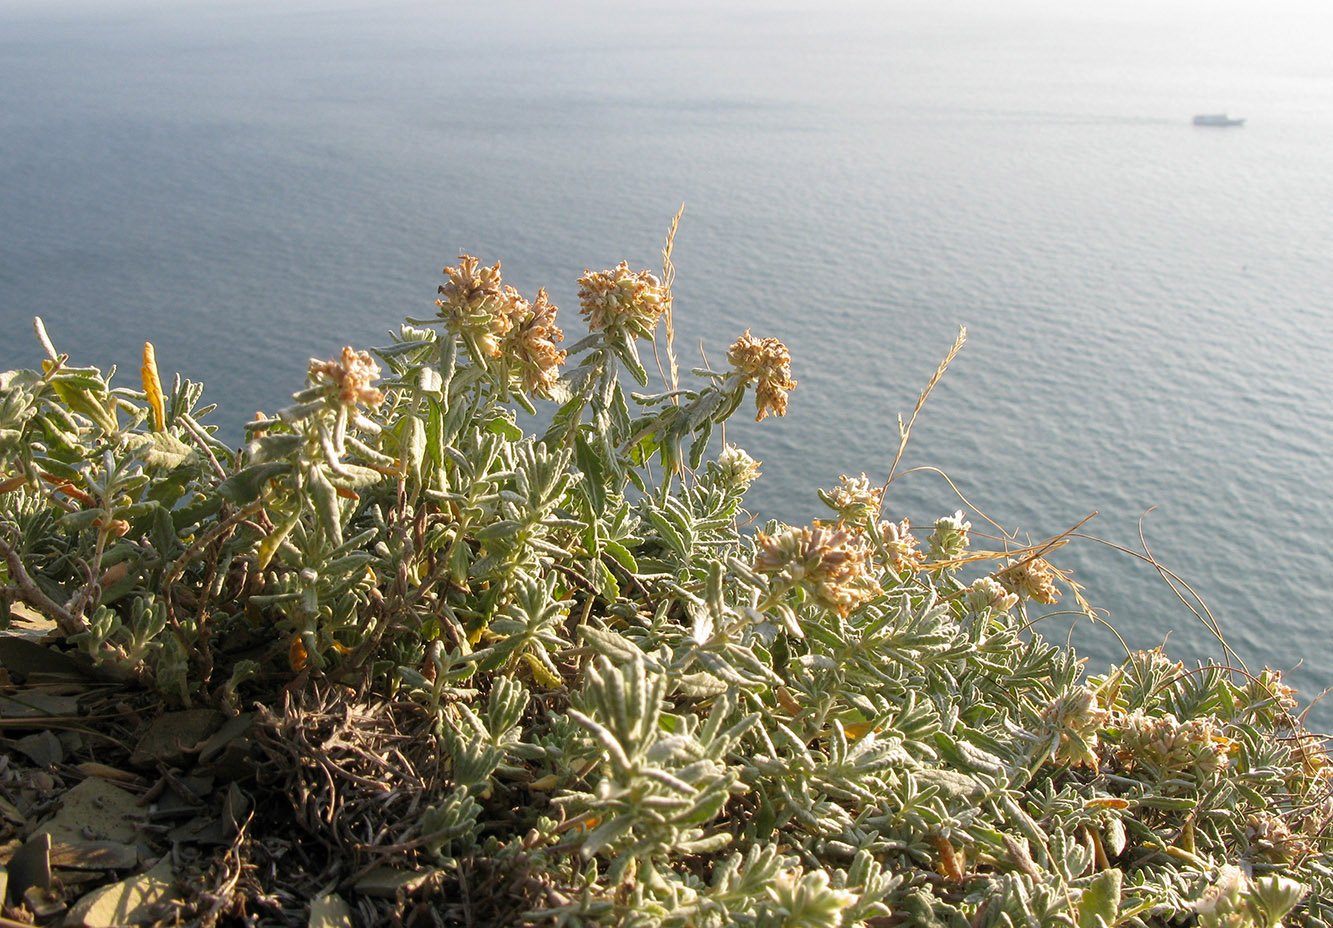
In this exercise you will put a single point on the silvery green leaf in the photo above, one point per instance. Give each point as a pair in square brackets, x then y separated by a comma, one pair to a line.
[700, 685]
[602, 577]
[162, 450]
[1099, 905]
[505, 528]
[1276, 895]
[611, 644]
[355, 477]
[1116, 839]
[702, 629]
[274, 447]
[605, 834]
[951, 783]
[430, 381]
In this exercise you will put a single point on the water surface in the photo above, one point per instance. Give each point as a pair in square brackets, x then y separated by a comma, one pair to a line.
[1148, 303]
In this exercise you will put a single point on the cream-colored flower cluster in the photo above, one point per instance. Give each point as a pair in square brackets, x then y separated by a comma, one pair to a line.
[1234, 899]
[1171, 746]
[808, 899]
[898, 546]
[1271, 838]
[987, 593]
[831, 563]
[1030, 578]
[854, 499]
[352, 373]
[1072, 722]
[474, 304]
[623, 299]
[768, 363]
[478, 306]
[530, 344]
[1222, 904]
[950, 540]
[735, 468]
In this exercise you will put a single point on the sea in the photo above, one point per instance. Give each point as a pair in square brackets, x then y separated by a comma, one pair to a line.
[1148, 304]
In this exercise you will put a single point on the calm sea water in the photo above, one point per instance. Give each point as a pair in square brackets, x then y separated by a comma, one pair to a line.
[1148, 303]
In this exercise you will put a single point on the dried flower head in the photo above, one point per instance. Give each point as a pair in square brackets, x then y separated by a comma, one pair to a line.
[1170, 746]
[1030, 578]
[475, 304]
[622, 299]
[898, 546]
[767, 362]
[1071, 722]
[987, 593]
[1270, 837]
[530, 342]
[854, 499]
[735, 468]
[829, 562]
[950, 540]
[352, 373]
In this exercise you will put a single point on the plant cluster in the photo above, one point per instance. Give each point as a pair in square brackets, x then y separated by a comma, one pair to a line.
[648, 713]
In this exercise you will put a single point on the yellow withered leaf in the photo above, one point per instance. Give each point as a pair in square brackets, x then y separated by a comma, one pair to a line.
[540, 671]
[296, 654]
[1107, 802]
[152, 386]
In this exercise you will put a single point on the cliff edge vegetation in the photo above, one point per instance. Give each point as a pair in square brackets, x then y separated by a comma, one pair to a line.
[477, 676]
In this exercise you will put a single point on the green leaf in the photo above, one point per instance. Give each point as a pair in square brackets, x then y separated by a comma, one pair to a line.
[414, 444]
[501, 426]
[86, 395]
[613, 645]
[607, 833]
[430, 381]
[505, 528]
[165, 539]
[701, 685]
[162, 450]
[1100, 904]
[247, 484]
[669, 533]
[605, 581]
[700, 445]
[196, 511]
[355, 477]
[278, 447]
[325, 498]
[621, 555]
[594, 474]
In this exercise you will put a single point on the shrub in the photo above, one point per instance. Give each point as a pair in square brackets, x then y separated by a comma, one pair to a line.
[644, 714]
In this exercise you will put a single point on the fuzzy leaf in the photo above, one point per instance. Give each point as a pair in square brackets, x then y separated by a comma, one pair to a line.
[1100, 903]
[610, 643]
[245, 485]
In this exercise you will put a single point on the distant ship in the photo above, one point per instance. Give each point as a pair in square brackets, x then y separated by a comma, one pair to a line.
[1217, 119]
